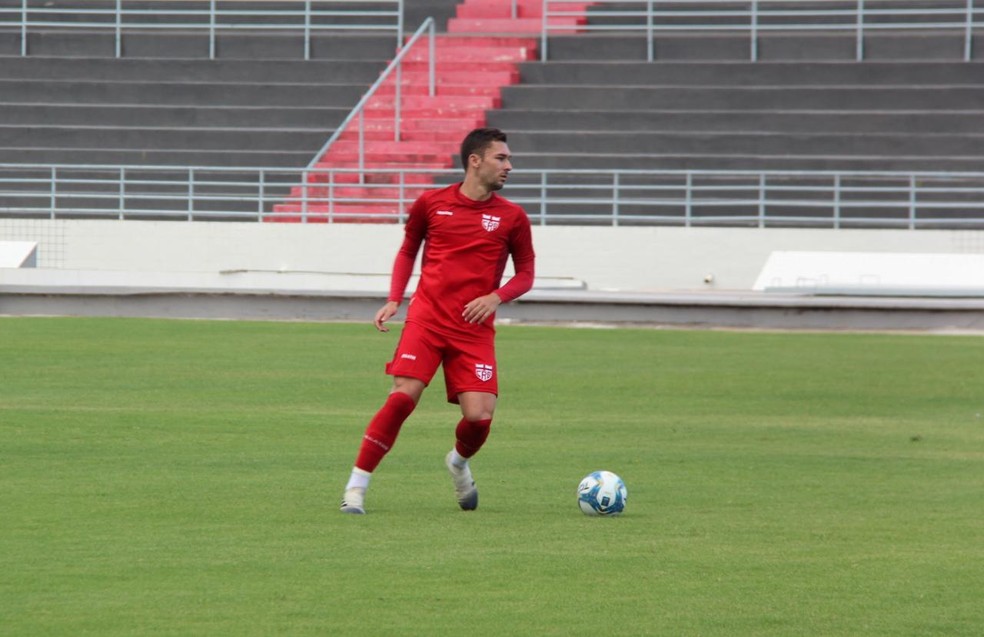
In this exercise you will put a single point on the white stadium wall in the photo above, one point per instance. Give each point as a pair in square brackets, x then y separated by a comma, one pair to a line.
[602, 258]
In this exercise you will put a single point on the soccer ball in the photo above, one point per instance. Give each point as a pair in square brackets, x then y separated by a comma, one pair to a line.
[602, 493]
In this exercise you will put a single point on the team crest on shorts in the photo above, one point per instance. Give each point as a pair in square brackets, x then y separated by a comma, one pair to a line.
[484, 372]
[490, 223]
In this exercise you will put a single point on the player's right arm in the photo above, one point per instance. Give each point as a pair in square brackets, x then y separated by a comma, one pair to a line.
[403, 263]
[384, 314]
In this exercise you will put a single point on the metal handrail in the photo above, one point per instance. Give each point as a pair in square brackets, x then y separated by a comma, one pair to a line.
[294, 15]
[832, 199]
[394, 67]
[757, 16]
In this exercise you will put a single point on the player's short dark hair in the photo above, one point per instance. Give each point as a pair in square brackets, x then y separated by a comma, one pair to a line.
[477, 141]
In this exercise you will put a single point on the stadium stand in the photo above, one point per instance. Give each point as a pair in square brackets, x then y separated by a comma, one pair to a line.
[430, 128]
[164, 102]
[805, 104]
[879, 115]
[151, 111]
[69, 96]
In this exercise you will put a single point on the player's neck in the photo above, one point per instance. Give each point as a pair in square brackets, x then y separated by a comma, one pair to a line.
[475, 191]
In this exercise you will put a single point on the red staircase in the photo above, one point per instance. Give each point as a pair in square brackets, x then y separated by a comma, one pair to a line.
[489, 16]
[479, 55]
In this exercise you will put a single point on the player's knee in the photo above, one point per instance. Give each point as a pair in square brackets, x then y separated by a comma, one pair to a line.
[477, 406]
[478, 410]
[412, 387]
[478, 414]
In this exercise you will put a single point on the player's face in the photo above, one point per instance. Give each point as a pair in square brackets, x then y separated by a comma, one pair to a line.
[494, 166]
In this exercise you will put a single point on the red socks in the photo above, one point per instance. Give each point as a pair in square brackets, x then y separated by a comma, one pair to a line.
[385, 426]
[383, 429]
[470, 436]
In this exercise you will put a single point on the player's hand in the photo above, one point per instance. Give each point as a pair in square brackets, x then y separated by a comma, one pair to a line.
[384, 314]
[481, 308]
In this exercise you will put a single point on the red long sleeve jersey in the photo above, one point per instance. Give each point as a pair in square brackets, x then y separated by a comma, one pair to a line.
[466, 246]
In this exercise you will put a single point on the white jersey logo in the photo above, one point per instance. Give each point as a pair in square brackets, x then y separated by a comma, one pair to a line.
[484, 372]
[490, 223]
[445, 213]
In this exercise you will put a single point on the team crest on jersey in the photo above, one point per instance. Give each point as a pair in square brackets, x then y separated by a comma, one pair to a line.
[490, 223]
[484, 372]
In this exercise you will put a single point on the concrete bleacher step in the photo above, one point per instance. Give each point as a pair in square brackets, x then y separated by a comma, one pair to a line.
[178, 44]
[570, 122]
[730, 73]
[913, 46]
[179, 93]
[357, 71]
[246, 117]
[632, 97]
[162, 156]
[928, 145]
[199, 138]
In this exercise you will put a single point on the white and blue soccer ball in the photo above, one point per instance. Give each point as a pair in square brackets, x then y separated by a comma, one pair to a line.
[602, 493]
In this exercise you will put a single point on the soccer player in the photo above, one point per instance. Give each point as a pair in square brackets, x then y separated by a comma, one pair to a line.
[468, 233]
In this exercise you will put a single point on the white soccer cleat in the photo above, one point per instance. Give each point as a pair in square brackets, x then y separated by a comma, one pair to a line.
[464, 484]
[353, 501]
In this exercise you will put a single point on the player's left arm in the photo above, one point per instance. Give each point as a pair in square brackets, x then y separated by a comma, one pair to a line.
[519, 284]
[524, 259]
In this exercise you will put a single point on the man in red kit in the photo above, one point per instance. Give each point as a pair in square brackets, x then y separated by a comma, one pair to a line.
[468, 233]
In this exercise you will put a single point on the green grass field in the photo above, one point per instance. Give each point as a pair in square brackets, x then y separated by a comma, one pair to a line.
[183, 478]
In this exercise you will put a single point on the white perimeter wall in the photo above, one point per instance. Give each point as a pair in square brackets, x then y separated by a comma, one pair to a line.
[640, 259]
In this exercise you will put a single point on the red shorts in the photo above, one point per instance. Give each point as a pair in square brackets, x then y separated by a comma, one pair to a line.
[468, 365]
